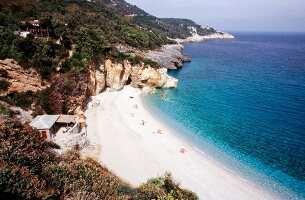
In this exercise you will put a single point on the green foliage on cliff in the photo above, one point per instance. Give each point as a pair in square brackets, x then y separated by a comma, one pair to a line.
[30, 169]
[4, 84]
[88, 29]
[174, 191]
[182, 26]
[3, 110]
[40, 102]
[170, 27]
[138, 38]
[43, 55]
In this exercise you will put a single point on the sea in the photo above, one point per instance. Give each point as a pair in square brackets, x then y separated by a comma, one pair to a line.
[242, 102]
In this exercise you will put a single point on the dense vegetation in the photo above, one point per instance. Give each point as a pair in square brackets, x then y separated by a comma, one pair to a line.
[3, 110]
[4, 84]
[172, 28]
[183, 25]
[89, 29]
[39, 102]
[30, 169]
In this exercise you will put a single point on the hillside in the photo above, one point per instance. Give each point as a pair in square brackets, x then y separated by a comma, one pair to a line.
[30, 168]
[170, 27]
[91, 27]
[54, 55]
[57, 39]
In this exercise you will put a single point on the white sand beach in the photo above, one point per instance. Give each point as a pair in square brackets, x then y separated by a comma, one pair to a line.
[137, 152]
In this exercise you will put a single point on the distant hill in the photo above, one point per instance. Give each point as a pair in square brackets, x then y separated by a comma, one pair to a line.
[170, 27]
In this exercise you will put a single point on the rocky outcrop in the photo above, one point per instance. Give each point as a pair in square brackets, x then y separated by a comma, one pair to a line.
[117, 74]
[210, 35]
[168, 56]
[22, 115]
[157, 78]
[21, 80]
[149, 90]
[97, 80]
[69, 92]
[100, 80]
[140, 76]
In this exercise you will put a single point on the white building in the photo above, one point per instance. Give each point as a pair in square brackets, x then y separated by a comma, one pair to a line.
[55, 125]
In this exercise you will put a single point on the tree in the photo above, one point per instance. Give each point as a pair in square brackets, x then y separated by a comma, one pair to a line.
[4, 84]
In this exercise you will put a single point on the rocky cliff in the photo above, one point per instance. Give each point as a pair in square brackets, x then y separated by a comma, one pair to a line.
[117, 75]
[168, 56]
[196, 37]
[20, 79]
[68, 92]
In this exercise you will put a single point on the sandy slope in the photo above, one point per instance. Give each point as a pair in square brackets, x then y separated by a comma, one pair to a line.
[136, 152]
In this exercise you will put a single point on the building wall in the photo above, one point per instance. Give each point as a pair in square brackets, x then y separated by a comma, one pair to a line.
[45, 134]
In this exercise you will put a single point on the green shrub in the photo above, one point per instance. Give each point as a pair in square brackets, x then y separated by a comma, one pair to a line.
[135, 38]
[23, 99]
[172, 189]
[43, 100]
[29, 169]
[167, 197]
[4, 84]
[3, 110]
[3, 73]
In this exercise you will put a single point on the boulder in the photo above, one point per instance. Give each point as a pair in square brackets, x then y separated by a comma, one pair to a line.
[157, 78]
[149, 90]
[166, 80]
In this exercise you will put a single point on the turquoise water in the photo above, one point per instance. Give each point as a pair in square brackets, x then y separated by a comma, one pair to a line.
[243, 103]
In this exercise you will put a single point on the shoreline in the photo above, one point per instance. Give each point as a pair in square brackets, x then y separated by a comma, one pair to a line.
[137, 152]
[243, 170]
[195, 38]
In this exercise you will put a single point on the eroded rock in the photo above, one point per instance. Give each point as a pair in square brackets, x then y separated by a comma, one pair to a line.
[117, 74]
[149, 90]
[21, 80]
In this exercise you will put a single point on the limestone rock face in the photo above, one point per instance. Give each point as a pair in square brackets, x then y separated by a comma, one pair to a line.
[113, 74]
[100, 78]
[135, 76]
[171, 82]
[149, 90]
[97, 81]
[91, 83]
[21, 80]
[168, 56]
[126, 73]
[166, 80]
[117, 74]
[158, 78]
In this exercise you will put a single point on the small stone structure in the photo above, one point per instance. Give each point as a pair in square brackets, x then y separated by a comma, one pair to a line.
[51, 126]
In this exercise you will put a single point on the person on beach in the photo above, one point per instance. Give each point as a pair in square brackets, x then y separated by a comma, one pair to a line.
[143, 122]
[183, 150]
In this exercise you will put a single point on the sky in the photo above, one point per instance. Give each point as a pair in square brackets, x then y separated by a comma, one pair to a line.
[233, 15]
